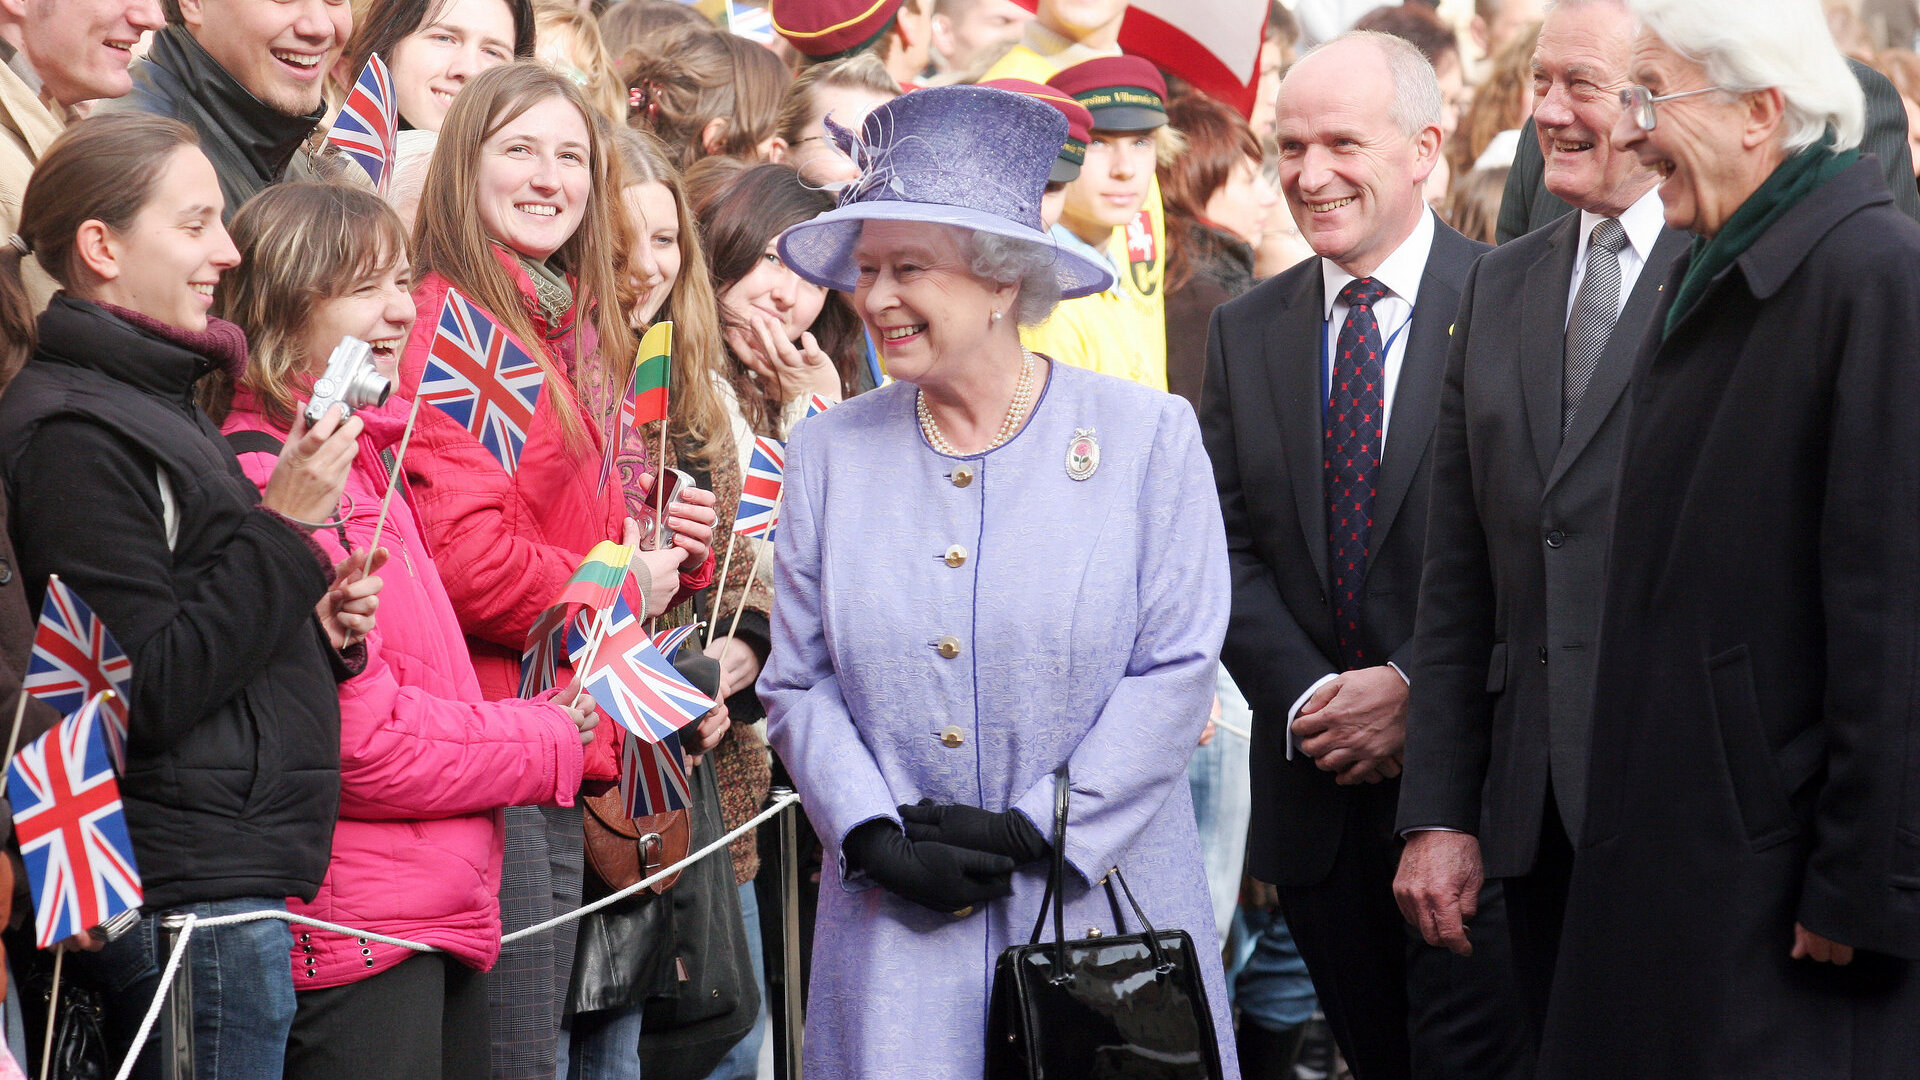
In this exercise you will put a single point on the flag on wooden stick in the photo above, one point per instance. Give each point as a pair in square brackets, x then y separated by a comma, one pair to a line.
[591, 589]
[71, 827]
[368, 126]
[74, 659]
[631, 682]
[760, 489]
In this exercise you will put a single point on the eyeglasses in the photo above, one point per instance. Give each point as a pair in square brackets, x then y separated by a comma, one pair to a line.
[1639, 101]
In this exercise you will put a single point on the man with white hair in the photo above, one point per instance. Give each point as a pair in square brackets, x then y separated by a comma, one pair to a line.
[1531, 421]
[1745, 895]
[1321, 390]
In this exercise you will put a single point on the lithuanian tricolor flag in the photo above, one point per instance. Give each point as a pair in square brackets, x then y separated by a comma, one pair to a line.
[598, 580]
[648, 401]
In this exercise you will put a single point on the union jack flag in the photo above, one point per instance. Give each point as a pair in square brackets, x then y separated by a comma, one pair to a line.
[368, 123]
[760, 489]
[653, 777]
[817, 405]
[632, 683]
[479, 375]
[668, 641]
[539, 664]
[74, 659]
[72, 831]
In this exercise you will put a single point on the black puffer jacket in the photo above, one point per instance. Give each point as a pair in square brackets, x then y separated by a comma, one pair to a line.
[252, 145]
[233, 758]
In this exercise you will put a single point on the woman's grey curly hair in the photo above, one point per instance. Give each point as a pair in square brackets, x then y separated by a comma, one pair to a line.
[1011, 261]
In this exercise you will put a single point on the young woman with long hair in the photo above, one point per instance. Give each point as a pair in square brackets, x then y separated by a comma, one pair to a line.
[427, 763]
[435, 47]
[705, 92]
[786, 339]
[124, 488]
[521, 215]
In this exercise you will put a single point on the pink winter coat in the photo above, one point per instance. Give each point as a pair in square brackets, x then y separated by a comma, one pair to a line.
[426, 762]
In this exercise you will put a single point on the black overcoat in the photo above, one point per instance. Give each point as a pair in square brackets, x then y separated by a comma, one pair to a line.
[1755, 759]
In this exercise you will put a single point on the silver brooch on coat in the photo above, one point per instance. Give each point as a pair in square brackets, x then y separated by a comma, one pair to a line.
[1083, 454]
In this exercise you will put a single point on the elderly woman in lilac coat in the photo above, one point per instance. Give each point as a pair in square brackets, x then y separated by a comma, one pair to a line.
[992, 567]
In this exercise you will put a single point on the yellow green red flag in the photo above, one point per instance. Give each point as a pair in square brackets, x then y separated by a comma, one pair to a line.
[648, 401]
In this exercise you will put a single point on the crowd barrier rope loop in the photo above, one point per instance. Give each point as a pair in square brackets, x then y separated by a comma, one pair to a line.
[183, 926]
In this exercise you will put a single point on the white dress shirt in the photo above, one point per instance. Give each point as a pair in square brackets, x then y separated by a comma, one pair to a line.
[1400, 275]
[1642, 223]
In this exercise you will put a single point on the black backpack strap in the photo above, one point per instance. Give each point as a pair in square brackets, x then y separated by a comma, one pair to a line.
[254, 442]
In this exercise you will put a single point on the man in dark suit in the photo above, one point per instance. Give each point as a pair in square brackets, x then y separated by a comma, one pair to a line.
[1527, 204]
[1309, 378]
[1524, 456]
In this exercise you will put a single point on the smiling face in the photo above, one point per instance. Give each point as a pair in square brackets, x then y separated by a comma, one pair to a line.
[654, 264]
[772, 290]
[921, 301]
[377, 309]
[81, 48]
[166, 262]
[1112, 185]
[280, 50]
[534, 178]
[1351, 177]
[1705, 149]
[461, 39]
[1579, 69]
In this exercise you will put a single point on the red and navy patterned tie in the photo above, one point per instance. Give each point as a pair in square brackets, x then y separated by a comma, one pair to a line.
[1355, 415]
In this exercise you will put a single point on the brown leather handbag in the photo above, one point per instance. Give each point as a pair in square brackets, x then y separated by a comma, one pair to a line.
[624, 850]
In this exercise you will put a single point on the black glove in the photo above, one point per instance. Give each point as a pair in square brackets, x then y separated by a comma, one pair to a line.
[942, 877]
[1008, 833]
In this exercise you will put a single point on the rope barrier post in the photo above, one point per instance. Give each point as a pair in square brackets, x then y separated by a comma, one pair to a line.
[788, 1019]
[176, 1030]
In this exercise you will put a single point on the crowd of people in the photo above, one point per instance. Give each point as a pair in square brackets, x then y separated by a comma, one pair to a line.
[1499, 660]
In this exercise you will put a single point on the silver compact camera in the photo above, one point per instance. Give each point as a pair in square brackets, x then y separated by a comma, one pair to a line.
[351, 380]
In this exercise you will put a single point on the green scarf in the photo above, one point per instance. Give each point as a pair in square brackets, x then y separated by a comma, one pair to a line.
[551, 293]
[1794, 180]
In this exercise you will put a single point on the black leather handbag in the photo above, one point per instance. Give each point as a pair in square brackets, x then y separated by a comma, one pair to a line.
[1124, 1006]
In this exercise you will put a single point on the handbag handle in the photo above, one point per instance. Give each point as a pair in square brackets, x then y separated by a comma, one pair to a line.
[1055, 896]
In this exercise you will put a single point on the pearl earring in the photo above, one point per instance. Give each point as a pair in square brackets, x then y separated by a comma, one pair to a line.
[996, 318]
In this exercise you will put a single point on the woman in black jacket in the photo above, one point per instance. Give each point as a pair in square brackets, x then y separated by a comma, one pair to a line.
[119, 484]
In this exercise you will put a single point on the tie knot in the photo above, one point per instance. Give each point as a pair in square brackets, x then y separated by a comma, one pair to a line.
[1362, 292]
[1608, 236]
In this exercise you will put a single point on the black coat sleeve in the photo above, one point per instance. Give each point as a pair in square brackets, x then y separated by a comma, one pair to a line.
[1449, 722]
[86, 506]
[1886, 137]
[1268, 654]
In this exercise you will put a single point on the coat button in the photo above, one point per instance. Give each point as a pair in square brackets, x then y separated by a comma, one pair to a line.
[949, 646]
[6, 572]
[1556, 538]
[956, 557]
[1543, 654]
[962, 475]
[952, 738]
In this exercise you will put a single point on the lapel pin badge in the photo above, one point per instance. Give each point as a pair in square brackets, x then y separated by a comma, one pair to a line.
[1083, 454]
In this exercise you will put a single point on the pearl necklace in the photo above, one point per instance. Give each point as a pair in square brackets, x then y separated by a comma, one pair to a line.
[1016, 412]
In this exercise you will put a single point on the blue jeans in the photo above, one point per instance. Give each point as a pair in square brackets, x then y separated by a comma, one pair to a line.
[242, 990]
[1223, 802]
[1265, 975]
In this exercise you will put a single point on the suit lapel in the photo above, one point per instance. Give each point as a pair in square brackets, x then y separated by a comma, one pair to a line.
[1292, 350]
[1616, 364]
[1416, 395]
[1543, 339]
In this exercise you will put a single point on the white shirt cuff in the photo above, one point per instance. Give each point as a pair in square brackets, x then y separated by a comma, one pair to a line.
[1300, 703]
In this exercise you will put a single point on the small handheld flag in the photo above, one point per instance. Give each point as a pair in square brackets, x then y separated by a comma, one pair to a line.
[593, 586]
[632, 683]
[479, 375]
[669, 641]
[368, 123]
[647, 401]
[653, 777]
[74, 659]
[72, 828]
[816, 405]
[760, 489]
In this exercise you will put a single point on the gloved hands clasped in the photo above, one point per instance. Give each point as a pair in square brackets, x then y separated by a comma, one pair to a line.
[950, 858]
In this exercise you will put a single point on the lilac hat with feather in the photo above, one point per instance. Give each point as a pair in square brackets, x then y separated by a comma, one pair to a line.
[967, 156]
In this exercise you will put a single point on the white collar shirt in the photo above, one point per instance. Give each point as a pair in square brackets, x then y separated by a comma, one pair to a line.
[1642, 222]
[1400, 275]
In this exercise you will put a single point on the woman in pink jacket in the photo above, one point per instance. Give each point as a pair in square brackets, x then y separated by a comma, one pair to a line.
[426, 762]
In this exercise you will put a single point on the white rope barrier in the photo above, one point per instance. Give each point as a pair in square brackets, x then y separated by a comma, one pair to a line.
[780, 804]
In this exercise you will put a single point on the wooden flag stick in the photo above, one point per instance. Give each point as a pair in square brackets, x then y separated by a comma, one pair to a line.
[393, 482]
[53, 1007]
[759, 552]
[19, 714]
[720, 588]
[660, 491]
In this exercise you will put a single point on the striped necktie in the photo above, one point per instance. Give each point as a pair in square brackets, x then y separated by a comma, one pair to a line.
[1594, 312]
